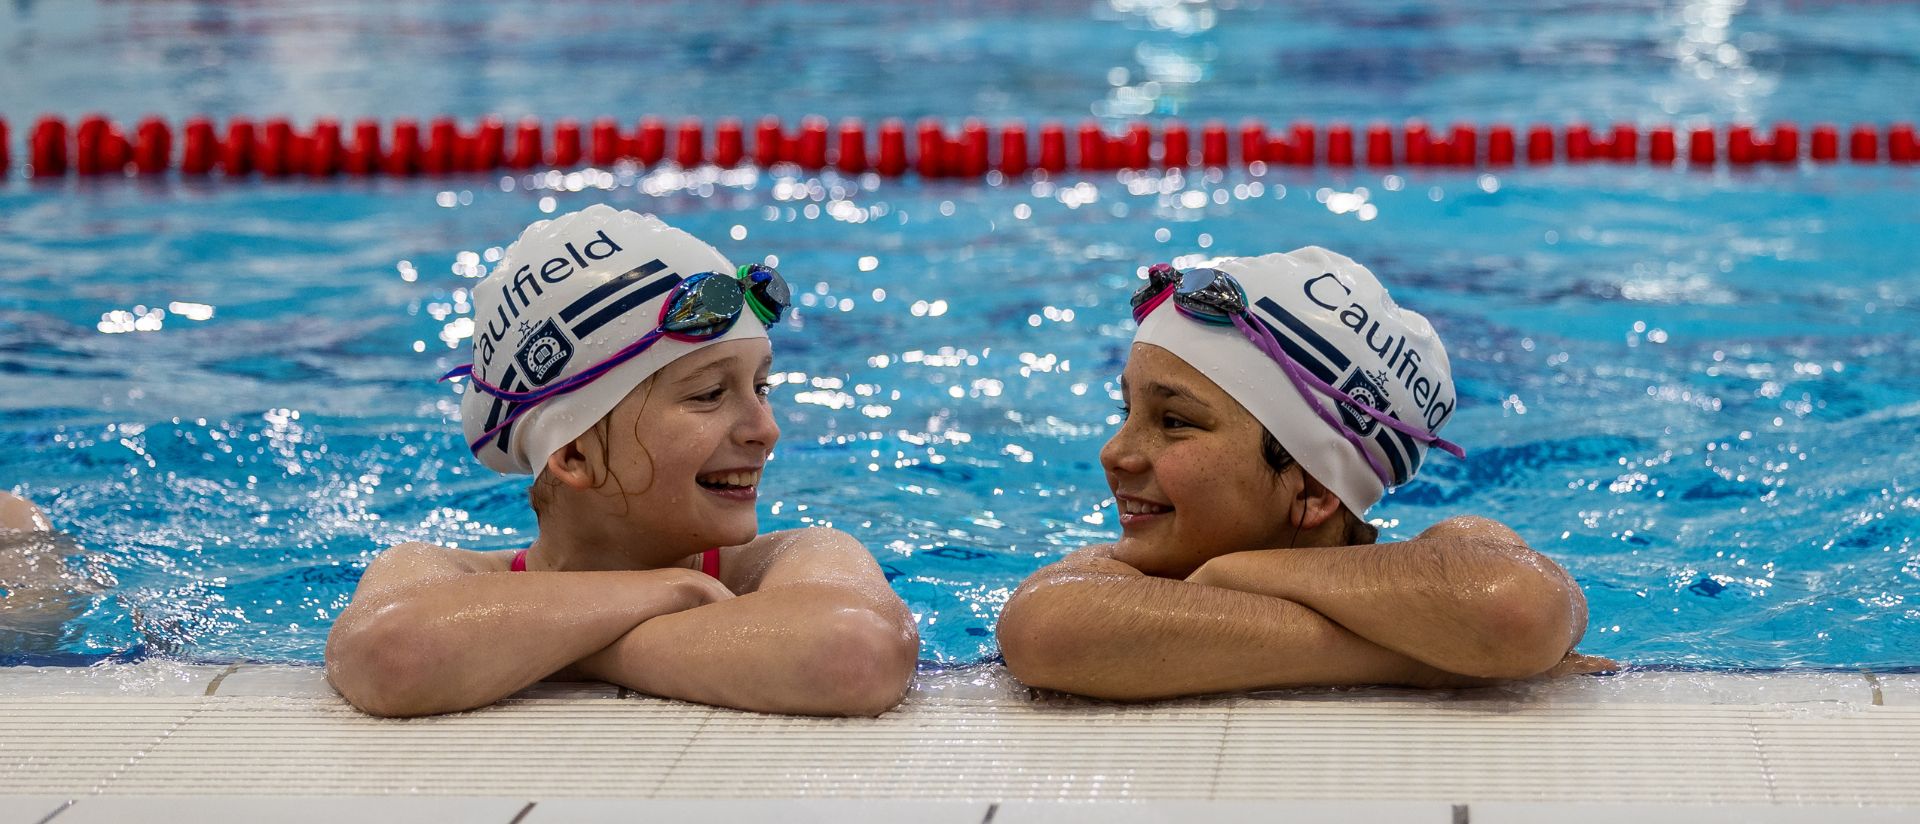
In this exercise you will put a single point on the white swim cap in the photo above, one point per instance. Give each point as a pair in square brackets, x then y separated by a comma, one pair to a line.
[1334, 320]
[570, 293]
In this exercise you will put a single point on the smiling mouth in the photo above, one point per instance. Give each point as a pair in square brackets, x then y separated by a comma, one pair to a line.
[1134, 510]
[732, 480]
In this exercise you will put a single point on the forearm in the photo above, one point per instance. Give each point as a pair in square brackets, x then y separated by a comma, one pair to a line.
[1485, 609]
[1134, 637]
[465, 642]
[807, 648]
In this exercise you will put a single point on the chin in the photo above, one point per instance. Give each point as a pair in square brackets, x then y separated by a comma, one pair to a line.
[735, 534]
[1147, 556]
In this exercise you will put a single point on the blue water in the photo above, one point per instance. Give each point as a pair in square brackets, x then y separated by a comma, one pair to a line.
[1699, 391]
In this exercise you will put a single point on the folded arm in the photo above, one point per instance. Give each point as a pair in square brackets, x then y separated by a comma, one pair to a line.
[1094, 626]
[1464, 604]
[816, 631]
[429, 632]
[1467, 596]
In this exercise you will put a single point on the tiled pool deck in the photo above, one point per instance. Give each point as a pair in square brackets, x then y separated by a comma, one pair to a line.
[160, 741]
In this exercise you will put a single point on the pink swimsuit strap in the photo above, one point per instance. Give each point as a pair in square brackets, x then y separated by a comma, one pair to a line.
[709, 562]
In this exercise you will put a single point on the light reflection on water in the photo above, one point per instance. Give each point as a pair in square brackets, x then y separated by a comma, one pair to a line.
[1703, 415]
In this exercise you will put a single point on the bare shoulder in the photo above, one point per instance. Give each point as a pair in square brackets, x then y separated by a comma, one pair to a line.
[791, 555]
[1474, 528]
[418, 562]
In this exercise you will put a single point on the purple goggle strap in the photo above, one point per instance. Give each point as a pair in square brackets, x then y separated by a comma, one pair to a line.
[1304, 382]
[531, 398]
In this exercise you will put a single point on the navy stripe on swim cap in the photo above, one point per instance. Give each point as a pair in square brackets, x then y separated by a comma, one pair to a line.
[1397, 462]
[605, 290]
[510, 382]
[1338, 358]
[1299, 355]
[620, 307]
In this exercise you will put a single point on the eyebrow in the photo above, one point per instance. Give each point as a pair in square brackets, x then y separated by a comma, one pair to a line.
[1164, 390]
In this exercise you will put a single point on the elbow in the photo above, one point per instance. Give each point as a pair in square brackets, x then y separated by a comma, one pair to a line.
[861, 663]
[1029, 645]
[1043, 649]
[385, 672]
[1528, 629]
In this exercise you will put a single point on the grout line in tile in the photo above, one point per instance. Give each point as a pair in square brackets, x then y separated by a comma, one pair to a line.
[1874, 682]
[57, 811]
[214, 685]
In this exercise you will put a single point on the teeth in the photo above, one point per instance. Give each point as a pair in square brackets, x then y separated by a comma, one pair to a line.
[1129, 507]
[739, 478]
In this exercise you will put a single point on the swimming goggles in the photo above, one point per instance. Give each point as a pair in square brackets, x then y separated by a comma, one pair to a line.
[1213, 297]
[702, 307]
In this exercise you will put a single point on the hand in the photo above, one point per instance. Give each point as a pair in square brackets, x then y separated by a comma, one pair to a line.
[1207, 575]
[1578, 664]
[685, 589]
[695, 589]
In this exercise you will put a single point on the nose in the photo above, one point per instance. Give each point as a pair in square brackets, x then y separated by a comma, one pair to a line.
[758, 427]
[1122, 455]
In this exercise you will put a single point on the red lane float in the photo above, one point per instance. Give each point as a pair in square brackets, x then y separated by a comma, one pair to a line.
[277, 147]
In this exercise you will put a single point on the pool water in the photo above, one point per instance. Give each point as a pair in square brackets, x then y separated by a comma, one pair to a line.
[1697, 391]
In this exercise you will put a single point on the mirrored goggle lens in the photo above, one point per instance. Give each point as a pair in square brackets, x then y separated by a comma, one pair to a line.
[1210, 293]
[703, 306]
[769, 290]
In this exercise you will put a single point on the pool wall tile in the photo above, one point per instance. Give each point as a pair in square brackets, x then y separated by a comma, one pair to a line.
[1715, 688]
[1533, 813]
[1225, 812]
[291, 810]
[773, 811]
[570, 689]
[265, 680]
[30, 809]
[150, 678]
[1899, 689]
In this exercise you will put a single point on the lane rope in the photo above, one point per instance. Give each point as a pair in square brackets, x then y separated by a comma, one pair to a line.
[277, 148]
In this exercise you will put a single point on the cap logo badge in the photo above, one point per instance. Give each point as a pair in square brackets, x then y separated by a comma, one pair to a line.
[1365, 389]
[544, 353]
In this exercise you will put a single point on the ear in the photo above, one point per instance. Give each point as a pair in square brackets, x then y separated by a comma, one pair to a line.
[1316, 503]
[570, 464]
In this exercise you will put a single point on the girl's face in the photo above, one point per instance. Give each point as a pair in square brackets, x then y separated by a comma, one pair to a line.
[1186, 472]
[685, 449]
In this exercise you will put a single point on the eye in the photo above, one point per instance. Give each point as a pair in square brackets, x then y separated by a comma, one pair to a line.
[1174, 422]
[710, 395]
[763, 389]
[1125, 410]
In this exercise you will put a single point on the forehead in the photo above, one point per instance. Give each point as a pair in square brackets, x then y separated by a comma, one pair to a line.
[1151, 366]
[749, 354]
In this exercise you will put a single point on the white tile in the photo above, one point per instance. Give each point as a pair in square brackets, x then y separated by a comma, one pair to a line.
[1899, 690]
[272, 681]
[291, 810]
[771, 811]
[1226, 812]
[148, 678]
[29, 809]
[1532, 813]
